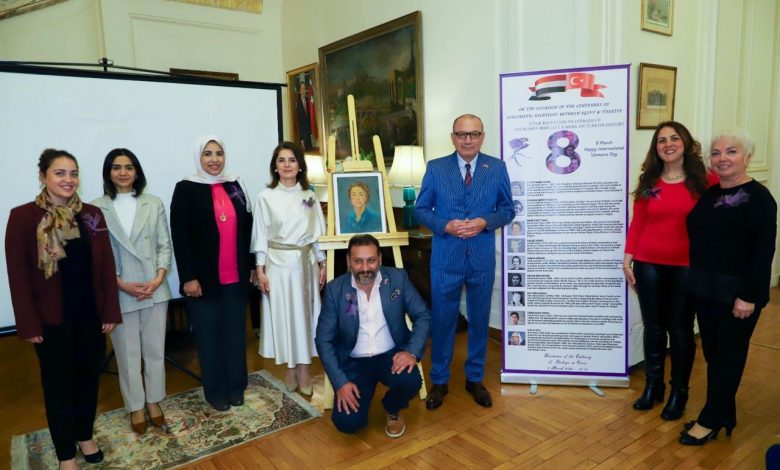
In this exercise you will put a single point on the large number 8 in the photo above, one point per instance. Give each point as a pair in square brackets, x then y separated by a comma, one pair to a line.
[558, 151]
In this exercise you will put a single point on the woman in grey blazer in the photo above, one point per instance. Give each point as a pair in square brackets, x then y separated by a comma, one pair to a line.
[142, 250]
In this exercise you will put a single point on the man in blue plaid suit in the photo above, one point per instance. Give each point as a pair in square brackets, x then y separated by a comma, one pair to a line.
[465, 198]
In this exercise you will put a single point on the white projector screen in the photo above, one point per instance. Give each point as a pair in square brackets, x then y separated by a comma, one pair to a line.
[158, 118]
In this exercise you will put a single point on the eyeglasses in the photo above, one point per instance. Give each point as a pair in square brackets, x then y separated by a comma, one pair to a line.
[473, 134]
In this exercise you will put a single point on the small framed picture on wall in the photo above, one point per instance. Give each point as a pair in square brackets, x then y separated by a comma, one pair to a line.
[657, 16]
[655, 103]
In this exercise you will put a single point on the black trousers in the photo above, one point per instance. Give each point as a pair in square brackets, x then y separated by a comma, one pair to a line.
[219, 325]
[70, 358]
[666, 312]
[725, 341]
[365, 374]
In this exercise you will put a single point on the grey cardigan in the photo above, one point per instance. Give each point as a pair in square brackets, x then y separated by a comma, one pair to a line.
[146, 250]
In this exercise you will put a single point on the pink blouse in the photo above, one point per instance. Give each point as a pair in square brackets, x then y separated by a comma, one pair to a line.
[225, 215]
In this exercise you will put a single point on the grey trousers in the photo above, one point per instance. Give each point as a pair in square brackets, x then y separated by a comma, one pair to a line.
[141, 335]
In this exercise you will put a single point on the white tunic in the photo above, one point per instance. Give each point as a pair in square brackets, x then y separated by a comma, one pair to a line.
[291, 217]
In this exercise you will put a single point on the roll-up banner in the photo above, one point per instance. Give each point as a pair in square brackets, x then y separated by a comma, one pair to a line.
[564, 138]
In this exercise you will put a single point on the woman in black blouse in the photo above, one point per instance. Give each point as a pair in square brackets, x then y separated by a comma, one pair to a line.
[732, 233]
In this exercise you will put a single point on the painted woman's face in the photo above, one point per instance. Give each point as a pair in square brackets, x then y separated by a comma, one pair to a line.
[358, 197]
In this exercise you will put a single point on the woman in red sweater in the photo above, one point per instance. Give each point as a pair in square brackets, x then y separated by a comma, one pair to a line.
[656, 260]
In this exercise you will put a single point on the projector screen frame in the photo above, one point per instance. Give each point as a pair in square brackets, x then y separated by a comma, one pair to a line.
[146, 75]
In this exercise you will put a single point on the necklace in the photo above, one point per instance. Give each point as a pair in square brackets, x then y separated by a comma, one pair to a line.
[222, 217]
[675, 178]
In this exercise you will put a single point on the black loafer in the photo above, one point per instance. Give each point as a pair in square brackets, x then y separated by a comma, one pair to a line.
[220, 406]
[237, 401]
[436, 396]
[479, 393]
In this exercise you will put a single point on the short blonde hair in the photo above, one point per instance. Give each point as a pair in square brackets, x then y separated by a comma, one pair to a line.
[738, 136]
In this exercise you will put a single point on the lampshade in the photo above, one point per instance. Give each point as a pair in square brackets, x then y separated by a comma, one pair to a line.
[315, 169]
[408, 166]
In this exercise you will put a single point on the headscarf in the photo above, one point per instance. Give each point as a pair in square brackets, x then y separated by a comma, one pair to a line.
[201, 176]
[57, 226]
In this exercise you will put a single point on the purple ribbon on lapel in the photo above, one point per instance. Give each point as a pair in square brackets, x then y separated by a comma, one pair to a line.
[92, 222]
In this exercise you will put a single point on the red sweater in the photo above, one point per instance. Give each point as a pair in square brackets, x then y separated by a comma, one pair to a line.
[657, 233]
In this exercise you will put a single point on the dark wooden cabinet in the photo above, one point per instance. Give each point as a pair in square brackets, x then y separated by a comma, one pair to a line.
[417, 261]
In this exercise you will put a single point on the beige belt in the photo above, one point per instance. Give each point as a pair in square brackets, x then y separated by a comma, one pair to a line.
[307, 271]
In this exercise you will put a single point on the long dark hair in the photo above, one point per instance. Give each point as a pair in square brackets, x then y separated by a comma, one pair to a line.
[302, 177]
[693, 165]
[109, 188]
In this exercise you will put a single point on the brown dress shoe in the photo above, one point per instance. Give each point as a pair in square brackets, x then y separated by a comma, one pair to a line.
[395, 427]
[479, 393]
[138, 421]
[436, 396]
[156, 415]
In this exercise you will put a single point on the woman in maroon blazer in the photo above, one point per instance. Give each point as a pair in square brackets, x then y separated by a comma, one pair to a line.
[65, 299]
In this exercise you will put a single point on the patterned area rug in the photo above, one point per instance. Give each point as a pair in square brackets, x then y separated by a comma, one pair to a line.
[193, 429]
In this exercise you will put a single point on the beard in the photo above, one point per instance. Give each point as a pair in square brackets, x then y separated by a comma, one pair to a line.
[365, 277]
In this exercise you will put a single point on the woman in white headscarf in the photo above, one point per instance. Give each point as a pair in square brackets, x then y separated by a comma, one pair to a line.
[211, 227]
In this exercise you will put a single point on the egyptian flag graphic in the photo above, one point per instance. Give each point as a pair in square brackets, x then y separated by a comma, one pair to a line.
[585, 82]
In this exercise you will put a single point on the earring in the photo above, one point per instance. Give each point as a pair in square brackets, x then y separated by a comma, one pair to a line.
[276, 171]
[299, 170]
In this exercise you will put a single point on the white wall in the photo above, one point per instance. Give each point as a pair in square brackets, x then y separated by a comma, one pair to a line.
[150, 34]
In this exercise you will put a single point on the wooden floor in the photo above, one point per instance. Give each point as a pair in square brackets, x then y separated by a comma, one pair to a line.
[559, 427]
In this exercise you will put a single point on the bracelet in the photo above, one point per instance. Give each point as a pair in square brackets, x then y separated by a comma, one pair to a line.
[627, 266]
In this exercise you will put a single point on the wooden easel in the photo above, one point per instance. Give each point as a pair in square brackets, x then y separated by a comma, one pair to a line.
[332, 242]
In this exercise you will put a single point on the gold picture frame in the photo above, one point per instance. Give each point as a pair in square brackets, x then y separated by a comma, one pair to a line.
[657, 89]
[305, 115]
[382, 68]
[658, 16]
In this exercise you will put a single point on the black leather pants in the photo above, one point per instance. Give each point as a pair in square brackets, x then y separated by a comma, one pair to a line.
[666, 312]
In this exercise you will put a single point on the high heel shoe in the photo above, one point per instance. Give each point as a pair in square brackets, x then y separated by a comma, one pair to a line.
[688, 440]
[158, 418]
[690, 424]
[97, 457]
[653, 392]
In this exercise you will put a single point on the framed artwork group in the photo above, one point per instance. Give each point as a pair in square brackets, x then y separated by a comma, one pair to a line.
[382, 68]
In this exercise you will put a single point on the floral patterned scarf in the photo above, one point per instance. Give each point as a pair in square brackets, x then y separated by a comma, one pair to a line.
[54, 230]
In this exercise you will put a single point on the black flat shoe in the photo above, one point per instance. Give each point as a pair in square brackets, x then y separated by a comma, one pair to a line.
[236, 401]
[479, 393]
[436, 396]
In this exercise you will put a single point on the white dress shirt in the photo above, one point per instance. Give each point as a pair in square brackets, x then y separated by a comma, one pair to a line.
[373, 335]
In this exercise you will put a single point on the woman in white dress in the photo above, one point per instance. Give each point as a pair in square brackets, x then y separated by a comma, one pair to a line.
[290, 265]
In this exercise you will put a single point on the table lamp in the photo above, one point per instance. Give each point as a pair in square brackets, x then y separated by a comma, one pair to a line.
[407, 172]
[316, 172]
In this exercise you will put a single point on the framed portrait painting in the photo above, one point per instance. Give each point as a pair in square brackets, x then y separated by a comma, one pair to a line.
[655, 103]
[360, 203]
[382, 68]
[657, 16]
[303, 104]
